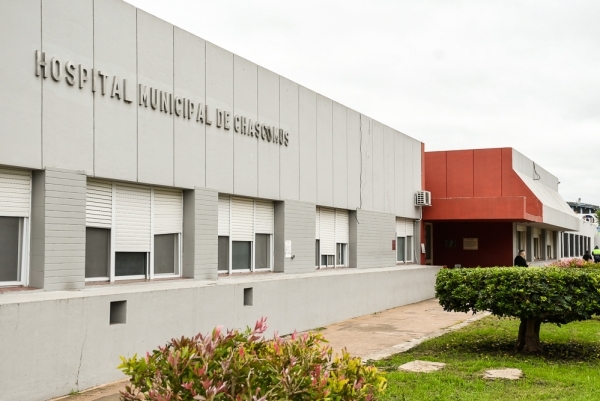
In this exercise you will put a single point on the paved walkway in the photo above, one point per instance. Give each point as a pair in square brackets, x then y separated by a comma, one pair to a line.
[373, 336]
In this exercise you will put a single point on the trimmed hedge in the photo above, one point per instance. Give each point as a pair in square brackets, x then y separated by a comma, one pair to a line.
[548, 294]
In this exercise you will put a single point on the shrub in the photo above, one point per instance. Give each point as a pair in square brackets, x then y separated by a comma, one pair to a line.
[574, 263]
[536, 295]
[246, 366]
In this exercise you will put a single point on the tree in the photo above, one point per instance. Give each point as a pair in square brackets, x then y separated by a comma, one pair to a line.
[598, 216]
[535, 295]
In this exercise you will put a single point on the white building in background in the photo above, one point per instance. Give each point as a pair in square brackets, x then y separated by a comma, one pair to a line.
[147, 175]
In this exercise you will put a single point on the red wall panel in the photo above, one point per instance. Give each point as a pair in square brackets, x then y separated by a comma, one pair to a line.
[495, 244]
[459, 168]
[435, 174]
[487, 180]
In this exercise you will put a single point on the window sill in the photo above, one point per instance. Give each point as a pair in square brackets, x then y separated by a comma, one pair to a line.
[16, 288]
[133, 281]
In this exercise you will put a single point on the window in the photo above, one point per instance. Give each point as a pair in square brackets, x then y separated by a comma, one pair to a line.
[245, 230]
[404, 240]
[223, 253]
[262, 251]
[341, 254]
[130, 264]
[317, 253]
[97, 253]
[241, 255]
[166, 254]
[327, 261]
[10, 249]
[332, 237]
[15, 202]
[400, 249]
[138, 228]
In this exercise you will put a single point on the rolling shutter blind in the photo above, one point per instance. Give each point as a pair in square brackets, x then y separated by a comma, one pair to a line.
[15, 192]
[318, 224]
[341, 226]
[327, 223]
[242, 219]
[410, 228]
[168, 211]
[98, 203]
[264, 217]
[133, 214]
[400, 227]
[223, 217]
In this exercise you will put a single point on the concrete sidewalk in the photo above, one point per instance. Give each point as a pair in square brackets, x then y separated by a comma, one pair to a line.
[373, 336]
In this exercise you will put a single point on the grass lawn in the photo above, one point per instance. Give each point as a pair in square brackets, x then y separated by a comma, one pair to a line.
[567, 369]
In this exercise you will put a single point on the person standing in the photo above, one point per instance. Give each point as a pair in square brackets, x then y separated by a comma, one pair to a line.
[586, 256]
[596, 253]
[520, 259]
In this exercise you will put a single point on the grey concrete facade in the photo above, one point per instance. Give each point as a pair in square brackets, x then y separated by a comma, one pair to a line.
[109, 138]
[200, 227]
[371, 236]
[58, 230]
[294, 222]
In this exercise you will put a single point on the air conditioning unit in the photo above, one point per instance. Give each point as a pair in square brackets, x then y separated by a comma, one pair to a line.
[423, 198]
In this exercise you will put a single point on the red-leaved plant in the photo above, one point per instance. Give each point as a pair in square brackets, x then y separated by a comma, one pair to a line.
[574, 263]
[243, 365]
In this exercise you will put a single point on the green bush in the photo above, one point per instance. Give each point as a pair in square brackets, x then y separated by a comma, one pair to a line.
[535, 295]
[246, 366]
[554, 295]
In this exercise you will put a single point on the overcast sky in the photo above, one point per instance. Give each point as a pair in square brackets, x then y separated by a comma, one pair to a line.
[453, 74]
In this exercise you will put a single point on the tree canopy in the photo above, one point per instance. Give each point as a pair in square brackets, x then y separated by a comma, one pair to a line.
[535, 295]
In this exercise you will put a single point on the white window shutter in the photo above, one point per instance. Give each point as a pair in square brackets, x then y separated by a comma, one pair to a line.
[133, 214]
[342, 231]
[15, 192]
[264, 217]
[410, 228]
[98, 203]
[223, 218]
[400, 227]
[242, 219]
[168, 211]
[327, 232]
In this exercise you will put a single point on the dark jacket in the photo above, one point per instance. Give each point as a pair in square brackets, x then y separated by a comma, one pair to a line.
[587, 257]
[520, 261]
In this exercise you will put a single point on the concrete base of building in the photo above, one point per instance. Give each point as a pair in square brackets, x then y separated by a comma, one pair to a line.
[64, 340]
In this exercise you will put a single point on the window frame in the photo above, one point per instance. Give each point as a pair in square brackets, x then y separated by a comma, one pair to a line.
[318, 244]
[149, 270]
[24, 240]
[253, 268]
[344, 252]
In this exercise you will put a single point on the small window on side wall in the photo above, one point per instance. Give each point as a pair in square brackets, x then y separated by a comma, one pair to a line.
[223, 254]
[341, 254]
[166, 254]
[130, 264]
[241, 255]
[97, 253]
[262, 251]
[10, 249]
[400, 249]
[409, 249]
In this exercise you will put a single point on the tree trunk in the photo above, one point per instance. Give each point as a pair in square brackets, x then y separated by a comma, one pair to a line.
[529, 336]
